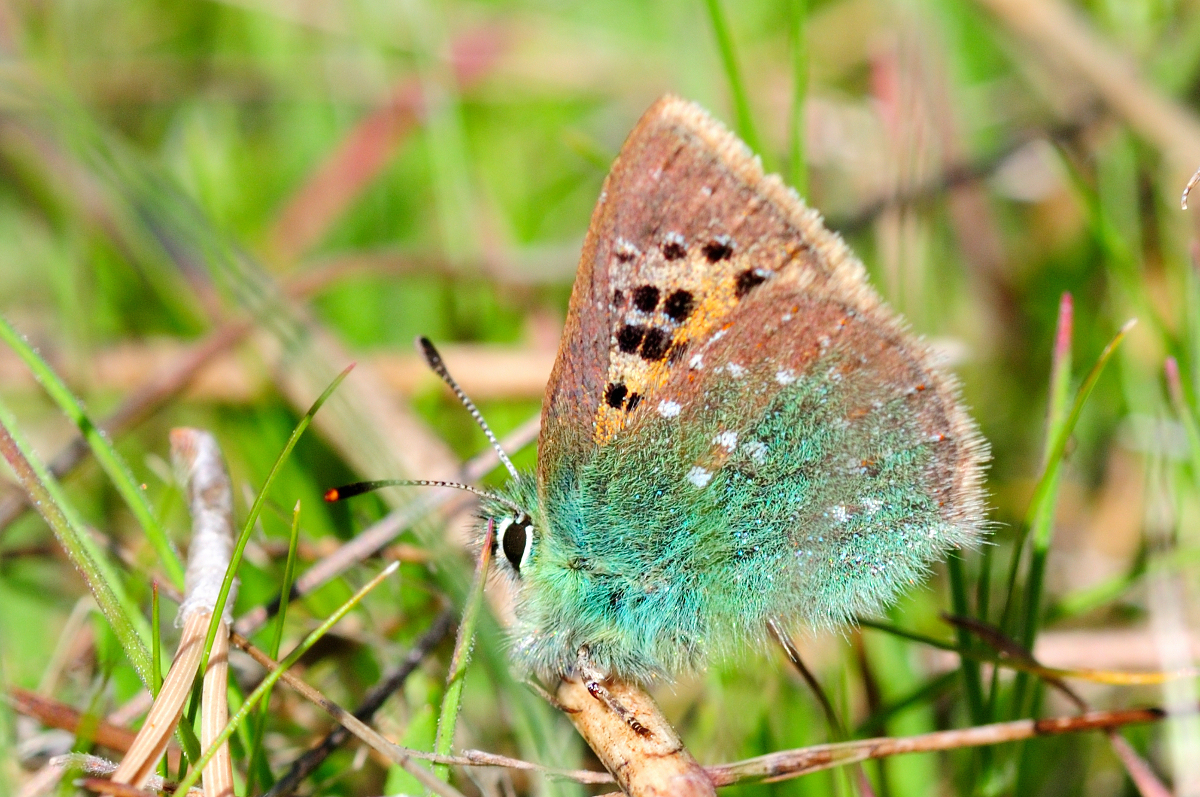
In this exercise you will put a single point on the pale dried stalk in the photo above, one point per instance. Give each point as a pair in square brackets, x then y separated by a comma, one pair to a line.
[633, 740]
[138, 764]
[792, 763]
[214, 714]
[210, 498]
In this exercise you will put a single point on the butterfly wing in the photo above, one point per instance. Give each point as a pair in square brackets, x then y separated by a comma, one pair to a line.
[737, 429]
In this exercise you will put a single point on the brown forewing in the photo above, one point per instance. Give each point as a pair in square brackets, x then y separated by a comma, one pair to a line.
[689, 243]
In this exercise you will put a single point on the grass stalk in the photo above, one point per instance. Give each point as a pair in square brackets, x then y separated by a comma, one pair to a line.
[1185, 415]
[972, 683]
[102, 448]
[1113, 677]
[1041, 508]
[452, 700]
[737, 87]
[156, 657]
[256, 508]
[285, 594]
[798, 42]
[102, 579]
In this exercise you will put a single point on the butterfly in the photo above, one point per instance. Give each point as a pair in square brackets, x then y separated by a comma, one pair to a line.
[736, 432]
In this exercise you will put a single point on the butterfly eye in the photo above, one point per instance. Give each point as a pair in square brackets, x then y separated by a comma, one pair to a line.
[515, 537]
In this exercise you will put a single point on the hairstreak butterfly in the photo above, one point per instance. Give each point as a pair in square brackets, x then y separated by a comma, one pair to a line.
[737, 431]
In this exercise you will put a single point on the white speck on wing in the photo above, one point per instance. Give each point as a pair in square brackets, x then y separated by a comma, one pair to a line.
[624, 247]
[784, 377]
[696, 363]
[726, 440]
[669, 409]
[757, 450]
[699, 476]
[735, 370]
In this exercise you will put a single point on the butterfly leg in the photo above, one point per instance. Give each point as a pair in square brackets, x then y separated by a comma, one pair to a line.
[593, 679]
[549, 698]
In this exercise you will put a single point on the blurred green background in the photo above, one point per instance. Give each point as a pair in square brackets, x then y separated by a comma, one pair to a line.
[245, 196]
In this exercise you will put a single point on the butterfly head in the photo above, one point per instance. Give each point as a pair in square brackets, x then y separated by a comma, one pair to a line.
[515, 529]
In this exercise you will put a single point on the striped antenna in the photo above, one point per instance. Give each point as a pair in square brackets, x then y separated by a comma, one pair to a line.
[438, 366]
[358, 488]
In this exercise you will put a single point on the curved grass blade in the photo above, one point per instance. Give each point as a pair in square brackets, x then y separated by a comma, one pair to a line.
[102, 579]
[1041, 506]
[236, 559]
[102, 448]
[452, 700]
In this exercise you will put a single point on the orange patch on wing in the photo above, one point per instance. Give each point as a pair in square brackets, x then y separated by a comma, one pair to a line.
[646, 378]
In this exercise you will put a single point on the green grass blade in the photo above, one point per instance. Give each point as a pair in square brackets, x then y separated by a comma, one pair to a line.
[737, 88]
[236, 559]
[1056, 416]
[102, 579]
[102, 448]
[452, 700]
[1041, 507]
[155, 643]
[1041, 511]
[972, 683]
[272, 677]
[1060, 382]
[156, 677]
[285, 594]
[797, 39]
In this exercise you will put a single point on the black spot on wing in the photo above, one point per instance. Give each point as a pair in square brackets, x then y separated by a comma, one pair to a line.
[618, 298]
[679, 305]
[629, 337]
[655, 344]
[634, 400]
[718, 249]
[674, 250]
[614, 395]
[645, 298]
[747, 281]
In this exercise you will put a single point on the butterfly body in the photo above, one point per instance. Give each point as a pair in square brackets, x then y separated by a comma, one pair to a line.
[737, 430]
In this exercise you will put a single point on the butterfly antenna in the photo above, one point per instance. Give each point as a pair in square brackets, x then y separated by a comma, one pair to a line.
[359, 488]
[438, 365]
